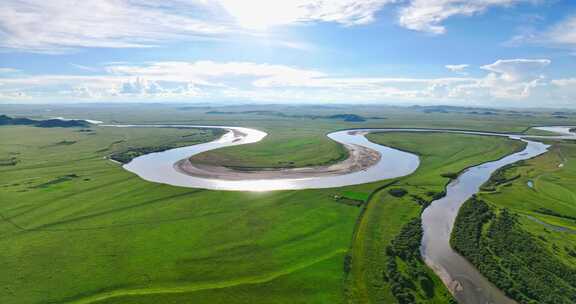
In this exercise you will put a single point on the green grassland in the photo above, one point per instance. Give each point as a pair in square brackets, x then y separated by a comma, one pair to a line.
[77, 228]
[104, 234]
[385, 214]
[313, 147]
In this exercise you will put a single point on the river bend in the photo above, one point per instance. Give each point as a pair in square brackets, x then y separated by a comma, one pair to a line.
[462, 278]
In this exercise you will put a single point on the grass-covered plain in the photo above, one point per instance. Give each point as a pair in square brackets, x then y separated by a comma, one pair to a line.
[105, 235]
[77, 228]
[313, 147]
[386, 214]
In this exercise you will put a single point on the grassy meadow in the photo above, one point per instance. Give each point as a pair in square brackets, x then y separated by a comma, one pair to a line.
[105, 235]
[385, 214]
[77, 228]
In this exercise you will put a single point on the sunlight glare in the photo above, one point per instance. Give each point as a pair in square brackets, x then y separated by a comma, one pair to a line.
[261, 15]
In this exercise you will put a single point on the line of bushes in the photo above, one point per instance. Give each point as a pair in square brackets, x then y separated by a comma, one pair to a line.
[500, 177]
[547, 211]
[126, 156]
[130, 153]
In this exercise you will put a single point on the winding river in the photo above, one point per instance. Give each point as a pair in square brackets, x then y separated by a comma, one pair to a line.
[465, 282]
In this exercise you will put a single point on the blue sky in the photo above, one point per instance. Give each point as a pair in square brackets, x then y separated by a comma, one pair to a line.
[516, 53]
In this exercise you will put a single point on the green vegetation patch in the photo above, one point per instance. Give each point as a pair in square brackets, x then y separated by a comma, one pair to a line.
[355, 195]
[397, 192]
[290, 148]
[404, 272]
[510, 257]
[12, 161]
[502, 176]
[47, 123]
[199, 136]
[57, 180]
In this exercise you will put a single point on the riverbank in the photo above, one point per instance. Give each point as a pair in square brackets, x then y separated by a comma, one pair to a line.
[360, 158]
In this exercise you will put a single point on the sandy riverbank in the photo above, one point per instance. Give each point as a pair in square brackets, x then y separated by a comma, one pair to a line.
[360, 158]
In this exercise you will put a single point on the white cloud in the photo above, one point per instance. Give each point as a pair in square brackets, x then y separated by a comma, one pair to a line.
[159, 79]
[8, 70]
[146, 88]
[428, 15]
[514, 70]
[560, 35]
[140, 86]
[14, 95]
[565, 82]
[351, 83]
[509, 79]
[564, 33]
[60, 25]
[506, 80]
[457, 68]
[85, 68]
[209, 73]
[261, 14]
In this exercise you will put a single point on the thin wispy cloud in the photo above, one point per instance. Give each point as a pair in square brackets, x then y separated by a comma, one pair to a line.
[262, 14]
[563, 33]
[457, 68]
[429, 15]
[8, 70]
[59, 26]
[62, 25]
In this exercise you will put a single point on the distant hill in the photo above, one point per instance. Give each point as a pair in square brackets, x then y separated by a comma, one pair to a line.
[347, 117]
[344, 117]
[47, 123]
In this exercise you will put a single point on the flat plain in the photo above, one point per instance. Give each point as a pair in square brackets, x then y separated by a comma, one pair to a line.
[77, 228]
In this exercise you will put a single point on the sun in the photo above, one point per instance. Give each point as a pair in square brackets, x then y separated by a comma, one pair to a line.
[261, 15]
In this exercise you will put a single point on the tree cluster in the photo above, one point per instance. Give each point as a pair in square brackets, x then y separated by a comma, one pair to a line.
[412, 279]
[510, 257]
